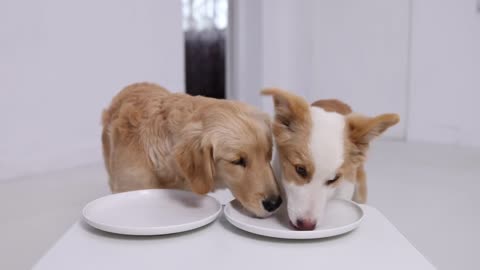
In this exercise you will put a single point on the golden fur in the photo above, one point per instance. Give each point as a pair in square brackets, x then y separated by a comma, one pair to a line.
[156, 139]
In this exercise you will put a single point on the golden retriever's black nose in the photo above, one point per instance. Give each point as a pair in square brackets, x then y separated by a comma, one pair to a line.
[272, 203]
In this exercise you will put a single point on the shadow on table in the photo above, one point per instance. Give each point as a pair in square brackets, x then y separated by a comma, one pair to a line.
[229, 227]
[101, 233]
[223, 223]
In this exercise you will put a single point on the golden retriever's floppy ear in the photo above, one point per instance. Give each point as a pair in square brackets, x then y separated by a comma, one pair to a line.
[363, 129]
[290, 110]
[194, 157]
[333, 105]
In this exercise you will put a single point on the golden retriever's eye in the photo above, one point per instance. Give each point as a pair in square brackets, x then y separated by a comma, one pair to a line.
[285, 122]
[240, 162]
[331, 181]
[301, 170]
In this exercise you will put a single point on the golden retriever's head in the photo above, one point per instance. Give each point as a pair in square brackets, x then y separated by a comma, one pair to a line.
[231, 143]
[319, 149]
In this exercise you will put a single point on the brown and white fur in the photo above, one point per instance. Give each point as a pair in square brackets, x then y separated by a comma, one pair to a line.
[156, 139]
[320, 153]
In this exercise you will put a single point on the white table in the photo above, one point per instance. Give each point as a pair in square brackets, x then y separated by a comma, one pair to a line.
[376, 244]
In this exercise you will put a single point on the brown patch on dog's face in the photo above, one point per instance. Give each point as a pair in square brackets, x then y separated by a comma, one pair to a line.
[292, 131]
[239, 142]
[353, 157]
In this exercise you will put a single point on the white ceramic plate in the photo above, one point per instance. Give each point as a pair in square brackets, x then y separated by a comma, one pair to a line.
[151, 212]
[341, 217]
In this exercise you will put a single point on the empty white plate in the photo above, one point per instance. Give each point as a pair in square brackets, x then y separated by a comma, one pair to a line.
[151, 212]
[341, 217]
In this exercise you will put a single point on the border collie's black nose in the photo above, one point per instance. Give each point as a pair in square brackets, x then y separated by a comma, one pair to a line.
[272, 203]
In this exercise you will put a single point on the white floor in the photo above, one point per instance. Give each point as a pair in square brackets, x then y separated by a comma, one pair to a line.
[427, 191]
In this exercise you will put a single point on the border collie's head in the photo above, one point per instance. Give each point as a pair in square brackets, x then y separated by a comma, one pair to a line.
[319, 147]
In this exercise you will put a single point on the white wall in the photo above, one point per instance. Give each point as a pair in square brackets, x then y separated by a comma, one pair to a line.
[61, 62]
[352, 50]
[361, 56]
[420, 59]
[244, 64]
[287, 45]
[445, 72]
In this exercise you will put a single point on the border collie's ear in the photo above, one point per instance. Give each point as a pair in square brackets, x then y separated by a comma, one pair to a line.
[363, 129]
[333, 105]
[195, 159]
[290, 110]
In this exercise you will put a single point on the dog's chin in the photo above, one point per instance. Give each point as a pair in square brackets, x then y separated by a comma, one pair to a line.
[258, 212]
[264, 214]
[251, 211]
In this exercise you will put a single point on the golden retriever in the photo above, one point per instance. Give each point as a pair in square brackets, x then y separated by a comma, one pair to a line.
[156, 139]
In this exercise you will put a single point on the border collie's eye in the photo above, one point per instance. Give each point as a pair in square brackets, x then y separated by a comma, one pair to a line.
[284, 121]
[301, 171]
[331, 181]
[240, 162]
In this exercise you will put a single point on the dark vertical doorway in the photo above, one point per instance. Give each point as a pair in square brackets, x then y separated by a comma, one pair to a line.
[205, 26]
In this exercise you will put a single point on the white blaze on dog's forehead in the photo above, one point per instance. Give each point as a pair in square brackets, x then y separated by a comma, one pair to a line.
[308, 201]
[327, 142]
